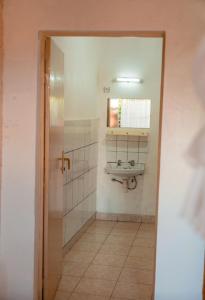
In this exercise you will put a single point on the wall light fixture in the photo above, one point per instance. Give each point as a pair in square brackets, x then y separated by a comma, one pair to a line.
[128, 80]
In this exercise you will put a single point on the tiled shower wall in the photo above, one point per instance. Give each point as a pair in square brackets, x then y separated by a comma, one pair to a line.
[126, 148]
[81, 147]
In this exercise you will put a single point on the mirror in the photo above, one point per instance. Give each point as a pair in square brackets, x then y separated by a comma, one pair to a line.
[128, 113]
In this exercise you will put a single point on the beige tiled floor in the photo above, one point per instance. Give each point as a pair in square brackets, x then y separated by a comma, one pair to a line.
[112, 260]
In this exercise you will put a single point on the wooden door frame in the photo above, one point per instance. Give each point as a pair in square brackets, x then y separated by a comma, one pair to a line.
[43, 131]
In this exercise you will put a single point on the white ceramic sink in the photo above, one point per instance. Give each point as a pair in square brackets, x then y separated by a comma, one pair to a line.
[124, 169]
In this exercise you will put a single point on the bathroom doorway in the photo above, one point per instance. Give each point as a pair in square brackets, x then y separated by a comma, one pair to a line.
[100, 146]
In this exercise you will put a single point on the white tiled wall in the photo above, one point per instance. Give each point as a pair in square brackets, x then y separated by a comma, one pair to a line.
[111, 197]
[81, 147]
[126, 148]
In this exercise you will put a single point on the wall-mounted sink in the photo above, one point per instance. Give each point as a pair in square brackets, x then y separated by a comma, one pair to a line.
[124, 169]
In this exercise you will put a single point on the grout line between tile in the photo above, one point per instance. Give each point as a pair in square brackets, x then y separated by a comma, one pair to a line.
[90, 262]
[82, 147]
[124, 262]
[97, 252]
[127, 150]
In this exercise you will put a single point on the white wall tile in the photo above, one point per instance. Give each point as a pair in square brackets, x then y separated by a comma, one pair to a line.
[78, 219]
[93, 157]
[111, 156]
[122, 156]
[143, 138]
[78, 162]
[94, 130]
[90, 181]
[133, 147]
[68, 172]
[85, 211]
[143, 147]
[111, 137]
[133, 138]
[87, 158]
[133, 156]
[122, 146]
[68, 196]
[88, 134]
[142, 158]
[67, 228]
[78, 202]
[126, 148]
[122, 138]
[78, 190]
[81, 188]
[86, 184]
[90, 156]
[92, 204]
[74, 135]
[67, 139]
[111, 145]
[79, 129]
[71, 223]
[75, 192]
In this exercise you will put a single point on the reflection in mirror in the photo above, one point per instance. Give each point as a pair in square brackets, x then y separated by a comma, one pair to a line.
[128, 113]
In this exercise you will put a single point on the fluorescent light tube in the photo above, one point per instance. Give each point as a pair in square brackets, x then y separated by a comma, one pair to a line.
[128, 79]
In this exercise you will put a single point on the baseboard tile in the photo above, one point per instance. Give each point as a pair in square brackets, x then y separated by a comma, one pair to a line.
[125, 217]
[76, 237]
[107, 217]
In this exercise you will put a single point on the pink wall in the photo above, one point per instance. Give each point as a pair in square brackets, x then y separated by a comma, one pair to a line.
[1, 70]
[180, 251]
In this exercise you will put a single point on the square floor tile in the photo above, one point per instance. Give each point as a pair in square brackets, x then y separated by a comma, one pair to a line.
[127, 225]
[79, 256]
[123, 231]
[78, 296]
[102, 224]
[93, 237]
[87, 246]
[97, 287]
[146, 235]
[119, 239]
[103, 272]
[109, 260]
[132, 291]
[142, 242]
[136, 276]
[147, 252]
[62, 295]
[114, 298]
[148, 227]
[114, 249]
[141, 263]
[103, 227]
[68, 283]
[75, 269]
[105, 230]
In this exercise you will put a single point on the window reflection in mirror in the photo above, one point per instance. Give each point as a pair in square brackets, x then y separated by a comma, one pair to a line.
[128, 113]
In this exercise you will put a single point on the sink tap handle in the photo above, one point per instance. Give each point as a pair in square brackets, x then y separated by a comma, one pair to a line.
[131, 162]
[119, 162]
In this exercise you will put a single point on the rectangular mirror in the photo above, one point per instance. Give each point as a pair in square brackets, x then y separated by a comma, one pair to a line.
[128, 113]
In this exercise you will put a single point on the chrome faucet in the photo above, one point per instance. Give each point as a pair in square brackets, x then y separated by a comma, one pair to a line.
[132, 163]
[119, 162]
